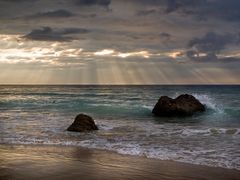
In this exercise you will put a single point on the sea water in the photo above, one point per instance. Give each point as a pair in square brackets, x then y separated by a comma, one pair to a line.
[41, 115]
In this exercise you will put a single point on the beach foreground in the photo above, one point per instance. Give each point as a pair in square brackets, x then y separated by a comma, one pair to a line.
[62, 162]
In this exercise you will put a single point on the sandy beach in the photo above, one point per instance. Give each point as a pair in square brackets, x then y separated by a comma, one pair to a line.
[62, 162]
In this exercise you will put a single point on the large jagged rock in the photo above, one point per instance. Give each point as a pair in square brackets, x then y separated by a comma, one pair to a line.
[82, 123]
[183, 105]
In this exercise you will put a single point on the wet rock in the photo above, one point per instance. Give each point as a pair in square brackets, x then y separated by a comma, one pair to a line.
[83, 123]
[183, 105]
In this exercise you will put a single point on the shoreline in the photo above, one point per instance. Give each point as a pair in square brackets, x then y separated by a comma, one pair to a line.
[113, 151]
[65, 162]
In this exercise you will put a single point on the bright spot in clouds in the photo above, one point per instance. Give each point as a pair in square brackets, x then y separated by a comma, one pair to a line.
[175, 54]
[114, 53]
[104, 52]
[144, 54]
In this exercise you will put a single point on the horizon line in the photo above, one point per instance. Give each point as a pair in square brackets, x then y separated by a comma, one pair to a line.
[28, 84]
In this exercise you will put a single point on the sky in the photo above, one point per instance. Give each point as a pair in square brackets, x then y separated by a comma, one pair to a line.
[119, 42]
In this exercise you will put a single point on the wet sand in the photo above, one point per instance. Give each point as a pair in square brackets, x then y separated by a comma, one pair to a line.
[61, 162]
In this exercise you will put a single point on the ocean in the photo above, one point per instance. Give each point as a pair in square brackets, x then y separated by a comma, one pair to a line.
[33, 114]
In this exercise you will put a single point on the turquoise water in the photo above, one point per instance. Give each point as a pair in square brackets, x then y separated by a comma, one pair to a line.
[41, 114]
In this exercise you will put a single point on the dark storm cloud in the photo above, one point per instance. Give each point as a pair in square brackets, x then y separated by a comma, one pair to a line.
[173, 5]
[48, 34]
[61, 13]
[199, 9]
[92, 2]
[213, 42]
[207, 47]
[229, 10]
[205, 9]
[74, 31]
[169, 6]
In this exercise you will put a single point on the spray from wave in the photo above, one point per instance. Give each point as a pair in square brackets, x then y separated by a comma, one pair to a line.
[210, 103]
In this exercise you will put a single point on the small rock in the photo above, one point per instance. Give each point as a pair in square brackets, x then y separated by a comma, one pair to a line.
[83, 123]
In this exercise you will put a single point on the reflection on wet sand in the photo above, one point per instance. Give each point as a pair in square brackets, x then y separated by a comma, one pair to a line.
[59, 162]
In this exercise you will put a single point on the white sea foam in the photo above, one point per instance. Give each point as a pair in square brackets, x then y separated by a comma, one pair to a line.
[101, 105]
[147, 107]
[209, 102]
[210, 131]
[169, 143]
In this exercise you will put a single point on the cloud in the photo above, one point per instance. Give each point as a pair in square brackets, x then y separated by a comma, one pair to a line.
[48, 34]
[173, 5]
[222, 9]
[207, 9]
[93, 2]
[165, 35]
[213, 42]
[92, 15]
[17, 1]
[146, 12]
[74, 31]
[227, 10]
[209, 46]
[61, 13]
[168, 6]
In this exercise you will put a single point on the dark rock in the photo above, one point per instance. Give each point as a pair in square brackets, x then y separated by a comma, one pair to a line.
[83, 123]
[183, 105]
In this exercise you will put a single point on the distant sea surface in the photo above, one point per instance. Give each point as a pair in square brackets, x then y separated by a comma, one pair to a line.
[41, 114]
